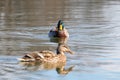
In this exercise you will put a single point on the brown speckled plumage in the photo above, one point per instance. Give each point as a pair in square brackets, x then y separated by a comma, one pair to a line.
[48, 56]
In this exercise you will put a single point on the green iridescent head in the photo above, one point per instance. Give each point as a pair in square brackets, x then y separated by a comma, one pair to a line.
[60, 25]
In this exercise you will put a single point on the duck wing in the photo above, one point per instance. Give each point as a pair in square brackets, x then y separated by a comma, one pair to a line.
[37, 55]
[31, 56]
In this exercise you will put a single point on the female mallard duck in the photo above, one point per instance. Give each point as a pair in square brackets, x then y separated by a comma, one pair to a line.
[59, 31]
[48, 56]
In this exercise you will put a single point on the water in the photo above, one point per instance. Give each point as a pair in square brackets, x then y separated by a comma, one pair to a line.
[93, 26]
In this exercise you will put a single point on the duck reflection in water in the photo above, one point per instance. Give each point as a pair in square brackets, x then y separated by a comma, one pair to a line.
[34, 66]
[59, 40]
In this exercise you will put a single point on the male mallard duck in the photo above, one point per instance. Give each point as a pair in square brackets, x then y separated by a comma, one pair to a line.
[48, 56]
[59, 31]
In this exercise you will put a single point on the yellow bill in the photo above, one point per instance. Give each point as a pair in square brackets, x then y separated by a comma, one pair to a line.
[61, 27]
